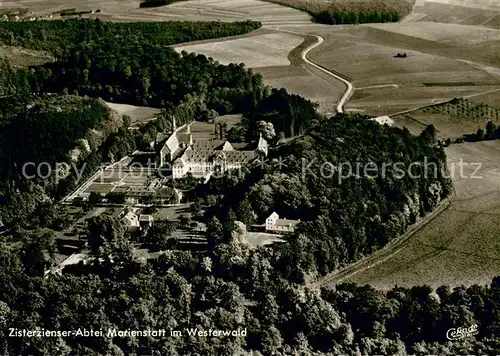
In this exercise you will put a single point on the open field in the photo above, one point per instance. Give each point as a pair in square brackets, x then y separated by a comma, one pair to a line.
[475, 4]
[230, 120]
[202, 130]
[391, 100]
[22, 57]
[305, 80]
[138, 114]
[491, 99]
[205, 130]
[194, 10]
[277, 57]
[460, 245]
[255, 239]
[467, 12]
[365, 53]
[255, 51]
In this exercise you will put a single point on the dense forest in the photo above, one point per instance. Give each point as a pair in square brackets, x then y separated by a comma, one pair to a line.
[340, 12]
[130, 63]
[346, 213]
[232, 288]
[40, 133]
[262, 292]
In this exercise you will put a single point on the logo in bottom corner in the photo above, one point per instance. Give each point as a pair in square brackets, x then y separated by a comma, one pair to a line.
[461, 333]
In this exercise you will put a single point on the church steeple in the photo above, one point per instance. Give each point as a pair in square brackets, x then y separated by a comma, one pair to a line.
[174, 126]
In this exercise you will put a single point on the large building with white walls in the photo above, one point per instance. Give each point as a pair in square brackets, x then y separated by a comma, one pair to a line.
[183, 154]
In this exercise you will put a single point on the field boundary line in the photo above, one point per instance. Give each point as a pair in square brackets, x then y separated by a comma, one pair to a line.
[379, 256]
[379, 86]
[257, 32]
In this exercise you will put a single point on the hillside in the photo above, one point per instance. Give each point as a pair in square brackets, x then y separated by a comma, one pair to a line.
[37, 137]
[109, 62]
[323, 179]
[134, 302]
[352, 12]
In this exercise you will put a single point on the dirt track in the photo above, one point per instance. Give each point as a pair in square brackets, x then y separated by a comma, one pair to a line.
[305, 57]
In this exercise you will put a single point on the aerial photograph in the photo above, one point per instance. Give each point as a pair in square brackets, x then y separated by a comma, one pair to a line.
[249, 177]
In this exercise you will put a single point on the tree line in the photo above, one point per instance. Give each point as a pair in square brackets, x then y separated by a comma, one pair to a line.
[157, 3]
[331, 17]
[60, 37]
[352, 12]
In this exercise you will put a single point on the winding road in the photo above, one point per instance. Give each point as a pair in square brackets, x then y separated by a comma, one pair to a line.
[350, 88]
[347, 94]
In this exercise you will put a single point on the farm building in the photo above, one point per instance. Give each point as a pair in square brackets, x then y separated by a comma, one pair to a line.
[277, 225]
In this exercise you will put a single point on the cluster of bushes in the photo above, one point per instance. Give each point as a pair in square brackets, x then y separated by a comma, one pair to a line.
[490, 132]
[74, 12]
[156, 3]
[352, 12]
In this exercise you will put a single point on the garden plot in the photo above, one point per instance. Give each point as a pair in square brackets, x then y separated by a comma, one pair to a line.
[451, 120]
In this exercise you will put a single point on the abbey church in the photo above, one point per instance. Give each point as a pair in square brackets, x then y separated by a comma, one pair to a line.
[185, 153]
